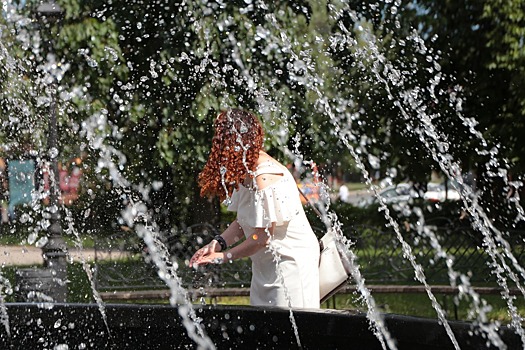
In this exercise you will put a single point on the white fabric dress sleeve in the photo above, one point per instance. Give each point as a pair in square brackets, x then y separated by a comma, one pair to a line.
[278, 203]
[272, 204]
[233, 201]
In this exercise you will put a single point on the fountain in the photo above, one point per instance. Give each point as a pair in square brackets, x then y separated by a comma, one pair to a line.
[112, 80]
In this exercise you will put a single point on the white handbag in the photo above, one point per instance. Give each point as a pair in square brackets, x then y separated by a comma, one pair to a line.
[333, 273]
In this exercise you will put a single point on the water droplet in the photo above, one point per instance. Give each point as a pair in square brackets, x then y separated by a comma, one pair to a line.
[32, 238]
[24, 218]
[157, 185]
[91, 62]
[41, 242]
[112, 53]
[184, 56]
[53, 152]
[374, 161]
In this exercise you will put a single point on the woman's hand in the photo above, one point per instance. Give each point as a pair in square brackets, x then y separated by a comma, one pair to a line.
[213, 258]
[208, 249]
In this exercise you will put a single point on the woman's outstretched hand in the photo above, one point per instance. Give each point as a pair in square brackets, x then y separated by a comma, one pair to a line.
[207, 255]
[213, 258]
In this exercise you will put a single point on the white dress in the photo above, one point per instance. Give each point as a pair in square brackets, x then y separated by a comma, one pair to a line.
[295, 247]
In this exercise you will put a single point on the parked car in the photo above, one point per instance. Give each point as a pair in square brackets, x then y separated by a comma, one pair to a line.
[399, 193]
[437, 193]
[404, 192]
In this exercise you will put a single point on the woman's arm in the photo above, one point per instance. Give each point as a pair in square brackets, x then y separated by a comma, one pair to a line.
[251, 245]
[231, 235]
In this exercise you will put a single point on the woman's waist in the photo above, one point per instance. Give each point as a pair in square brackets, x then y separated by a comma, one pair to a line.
[290, 248]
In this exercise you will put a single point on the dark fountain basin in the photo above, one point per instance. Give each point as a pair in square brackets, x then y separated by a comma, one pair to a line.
[80, 326]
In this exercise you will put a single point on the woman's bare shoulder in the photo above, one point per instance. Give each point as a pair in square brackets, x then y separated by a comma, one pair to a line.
[265, 158]
[270, 171]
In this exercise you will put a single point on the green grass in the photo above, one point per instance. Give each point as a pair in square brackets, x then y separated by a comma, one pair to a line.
[354, 186]
[419, 305]
[9, 239]
[239, 301]
[407, 304]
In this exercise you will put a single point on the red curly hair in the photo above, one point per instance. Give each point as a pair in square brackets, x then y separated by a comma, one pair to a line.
[236, 144]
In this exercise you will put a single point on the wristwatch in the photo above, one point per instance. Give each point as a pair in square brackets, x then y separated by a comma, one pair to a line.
[221, 241]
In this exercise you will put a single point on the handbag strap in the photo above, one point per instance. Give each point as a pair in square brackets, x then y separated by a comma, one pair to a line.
[310, 203]
[321, 244]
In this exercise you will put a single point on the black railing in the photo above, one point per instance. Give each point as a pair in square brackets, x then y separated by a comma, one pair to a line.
[122, 261]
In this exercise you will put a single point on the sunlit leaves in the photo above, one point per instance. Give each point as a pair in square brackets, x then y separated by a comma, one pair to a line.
[506, 36]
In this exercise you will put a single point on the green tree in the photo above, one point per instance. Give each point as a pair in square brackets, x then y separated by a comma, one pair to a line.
[504, 40]
[144, 83]
[146, 91]
[482, 45]
[385, 79]
[437, 60]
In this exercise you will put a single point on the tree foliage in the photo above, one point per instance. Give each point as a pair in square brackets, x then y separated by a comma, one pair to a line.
[393, 86]
[139, 96]
[482, 42]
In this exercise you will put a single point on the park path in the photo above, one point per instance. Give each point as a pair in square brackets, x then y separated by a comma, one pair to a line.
[16, 255]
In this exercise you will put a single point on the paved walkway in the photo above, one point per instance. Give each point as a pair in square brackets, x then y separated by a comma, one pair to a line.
[30, 255]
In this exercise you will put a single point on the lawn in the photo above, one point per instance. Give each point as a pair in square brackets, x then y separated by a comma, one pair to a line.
[408, 304]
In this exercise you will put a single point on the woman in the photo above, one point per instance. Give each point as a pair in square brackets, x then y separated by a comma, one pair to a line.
[271, 222]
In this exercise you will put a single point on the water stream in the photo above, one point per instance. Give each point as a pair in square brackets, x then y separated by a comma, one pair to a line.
[137, 215]
[302, 68]
[437, 146]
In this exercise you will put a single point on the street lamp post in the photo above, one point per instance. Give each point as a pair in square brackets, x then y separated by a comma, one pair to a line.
[55, 250]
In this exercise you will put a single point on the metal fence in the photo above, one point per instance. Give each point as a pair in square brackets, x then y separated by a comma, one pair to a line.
[122, 263]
